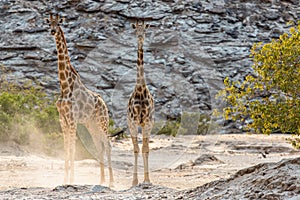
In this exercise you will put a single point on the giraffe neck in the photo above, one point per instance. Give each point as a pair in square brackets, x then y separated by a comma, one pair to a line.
[140, 64]
[66, 72]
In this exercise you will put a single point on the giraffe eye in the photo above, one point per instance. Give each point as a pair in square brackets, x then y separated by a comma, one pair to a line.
[133, 26]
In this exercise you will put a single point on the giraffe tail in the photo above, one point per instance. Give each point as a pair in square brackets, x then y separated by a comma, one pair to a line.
[118, 133]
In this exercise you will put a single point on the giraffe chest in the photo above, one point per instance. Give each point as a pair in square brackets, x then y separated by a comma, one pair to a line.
[141, 97]
[141, 106]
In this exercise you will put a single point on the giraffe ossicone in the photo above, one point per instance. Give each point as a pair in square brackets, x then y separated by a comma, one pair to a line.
[77, 104]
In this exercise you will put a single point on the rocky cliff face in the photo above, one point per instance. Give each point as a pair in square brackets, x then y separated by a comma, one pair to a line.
[189, 48]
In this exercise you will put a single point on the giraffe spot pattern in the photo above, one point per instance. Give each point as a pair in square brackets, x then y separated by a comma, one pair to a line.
[64, 85]
[62, 75]
[76, 101]
[61, 66]
[61, 56]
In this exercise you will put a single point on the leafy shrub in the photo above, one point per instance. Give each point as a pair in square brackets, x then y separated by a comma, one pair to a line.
[268, 101]
[29, 116]
[194, 123]
[170, 128]
[189, 123]
[25, 109]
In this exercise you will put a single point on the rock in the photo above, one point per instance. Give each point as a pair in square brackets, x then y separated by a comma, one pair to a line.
[88, 7]
[254, 182]
[279, 180]
[190, 46]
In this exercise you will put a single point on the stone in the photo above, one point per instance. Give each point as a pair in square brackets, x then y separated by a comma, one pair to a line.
[190, 46]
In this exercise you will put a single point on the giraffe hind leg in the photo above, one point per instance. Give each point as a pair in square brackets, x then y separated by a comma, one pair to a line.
[67, 158]
[108, 153]
[134, 133]
[67, 153]
[72, 152]
[98, 142]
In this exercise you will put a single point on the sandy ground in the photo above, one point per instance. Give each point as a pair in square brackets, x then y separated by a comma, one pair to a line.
[176, 162]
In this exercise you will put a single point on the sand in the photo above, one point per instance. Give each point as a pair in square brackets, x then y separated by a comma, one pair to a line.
[177, 163]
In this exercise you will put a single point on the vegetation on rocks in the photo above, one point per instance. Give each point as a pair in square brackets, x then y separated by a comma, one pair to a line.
[26, 111]
[192, 123]
[268, 100]
[28, 116]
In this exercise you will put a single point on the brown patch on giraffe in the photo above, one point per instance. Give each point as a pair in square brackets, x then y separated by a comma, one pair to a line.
[72, 86]
[138, 96]
[145, 92]
[61, 65]
[146, 103]
[139, 88]
[62, 75]
[67, 91]
[140, 54]
[70, 80]
[64, 85]
[61, 56]
[140, 62]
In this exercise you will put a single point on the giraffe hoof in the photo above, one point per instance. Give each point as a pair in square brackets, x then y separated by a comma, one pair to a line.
[134, 183]
[147, 182]
[111, 185]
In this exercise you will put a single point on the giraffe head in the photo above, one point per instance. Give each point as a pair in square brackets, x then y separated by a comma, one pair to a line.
[54, 23]
[140, 29]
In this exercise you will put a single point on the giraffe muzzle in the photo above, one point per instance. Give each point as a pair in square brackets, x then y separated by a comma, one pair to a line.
[52, 32]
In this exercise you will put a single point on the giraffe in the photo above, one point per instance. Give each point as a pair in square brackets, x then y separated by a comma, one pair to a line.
[140, 112]
[77, 104]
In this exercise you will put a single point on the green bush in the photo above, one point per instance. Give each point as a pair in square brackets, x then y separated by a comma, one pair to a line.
[170, 128]
[28, 115]
[25, 110]
[192, 123]
[268, 101]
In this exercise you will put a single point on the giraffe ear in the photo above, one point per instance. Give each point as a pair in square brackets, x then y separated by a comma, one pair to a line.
[133, 26]
[147, 26]
[61, 20]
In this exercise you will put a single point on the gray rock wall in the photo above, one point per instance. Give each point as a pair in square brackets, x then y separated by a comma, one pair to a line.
[190, 47]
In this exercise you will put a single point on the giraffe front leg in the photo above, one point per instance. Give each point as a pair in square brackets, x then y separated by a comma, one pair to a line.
[133, 132]
[145, 153]
[67, 154]
[67, 157]
[133, 128]
[72, 152]
[136, 150]
[101, 157]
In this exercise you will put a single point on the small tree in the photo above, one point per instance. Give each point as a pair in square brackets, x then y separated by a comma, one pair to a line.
[268, 100]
